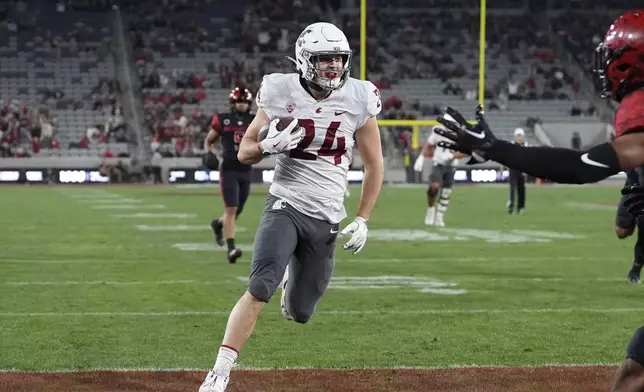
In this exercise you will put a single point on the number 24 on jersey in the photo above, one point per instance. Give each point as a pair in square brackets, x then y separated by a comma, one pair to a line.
[326, 149]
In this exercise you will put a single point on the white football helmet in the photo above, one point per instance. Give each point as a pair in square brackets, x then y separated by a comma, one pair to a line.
[322, 39]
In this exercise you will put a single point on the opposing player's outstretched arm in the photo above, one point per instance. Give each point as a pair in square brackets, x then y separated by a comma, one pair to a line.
[572, 166]
[250, 151]
[368, 143]
[562, 165]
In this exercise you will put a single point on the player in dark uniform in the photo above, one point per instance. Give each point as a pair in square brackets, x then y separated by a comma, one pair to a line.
[619, 70]
[234, 176]
[625, 223]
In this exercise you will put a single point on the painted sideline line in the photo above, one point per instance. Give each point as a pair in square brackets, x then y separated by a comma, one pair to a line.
[329, 312]
[129, 207]
[108, 283]
[110, 201]
[233, 281]
[160, 215]
[340, 261]
[266, 369]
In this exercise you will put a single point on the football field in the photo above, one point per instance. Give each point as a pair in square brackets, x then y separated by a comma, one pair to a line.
[129, 278]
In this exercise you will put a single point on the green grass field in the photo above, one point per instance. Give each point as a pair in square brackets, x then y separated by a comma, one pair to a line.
[85, 285]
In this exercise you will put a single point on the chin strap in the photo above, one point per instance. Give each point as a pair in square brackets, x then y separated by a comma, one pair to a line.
[291, 59]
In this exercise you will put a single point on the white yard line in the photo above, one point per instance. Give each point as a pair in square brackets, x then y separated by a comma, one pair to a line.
[238, 229]
[129, 207]
[95, 196]
[443, 259]
[225, 313]
[110, 283]
[109, 201]
[159, 215]
[445, 277]
[347, 261]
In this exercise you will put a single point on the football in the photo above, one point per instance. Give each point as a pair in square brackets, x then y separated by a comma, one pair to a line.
[281, 125]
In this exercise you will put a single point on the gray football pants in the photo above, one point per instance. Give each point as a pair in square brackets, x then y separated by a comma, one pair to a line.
[286, 237]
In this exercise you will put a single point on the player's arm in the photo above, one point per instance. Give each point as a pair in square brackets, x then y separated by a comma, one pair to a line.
[213, 134]
[368, 142]
[250, 151]
[572, 166]
[563, 165]
[428, 150]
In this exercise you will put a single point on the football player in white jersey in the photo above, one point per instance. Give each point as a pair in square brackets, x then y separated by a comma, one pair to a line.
[295, 241]
[441, 178]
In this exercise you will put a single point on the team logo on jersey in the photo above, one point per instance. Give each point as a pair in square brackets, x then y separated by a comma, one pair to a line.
[318, 110]
[290, 107]
[226, 122]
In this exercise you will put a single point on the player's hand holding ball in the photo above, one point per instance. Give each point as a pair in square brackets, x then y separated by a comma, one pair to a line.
[280, 135]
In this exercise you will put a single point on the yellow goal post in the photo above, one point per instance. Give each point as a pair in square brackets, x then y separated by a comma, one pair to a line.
[416, 124]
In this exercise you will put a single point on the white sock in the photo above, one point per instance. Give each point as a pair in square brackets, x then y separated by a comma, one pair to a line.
[430, 210]
[225, 361]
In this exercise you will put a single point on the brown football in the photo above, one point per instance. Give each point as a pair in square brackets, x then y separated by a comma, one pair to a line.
[281, 125]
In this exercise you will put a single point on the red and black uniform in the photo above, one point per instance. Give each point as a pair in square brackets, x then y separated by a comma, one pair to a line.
[234, 176]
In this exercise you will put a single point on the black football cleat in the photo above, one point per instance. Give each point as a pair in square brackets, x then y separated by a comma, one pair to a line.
[218, 229]
[233, 255]
[634, 274]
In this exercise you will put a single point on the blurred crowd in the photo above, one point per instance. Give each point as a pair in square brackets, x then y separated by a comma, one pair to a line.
[415, 39]
[42, 33]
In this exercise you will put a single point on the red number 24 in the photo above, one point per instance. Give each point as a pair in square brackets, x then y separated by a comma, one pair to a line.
[326, 150]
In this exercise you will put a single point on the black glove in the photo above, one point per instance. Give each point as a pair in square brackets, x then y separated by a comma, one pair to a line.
[467, 138]
[211, 161]
[633, 199]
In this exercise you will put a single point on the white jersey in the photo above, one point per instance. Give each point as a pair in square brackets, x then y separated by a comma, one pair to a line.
[442, 156]
[313, 176]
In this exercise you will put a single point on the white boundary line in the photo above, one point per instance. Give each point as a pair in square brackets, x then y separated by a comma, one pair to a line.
[339, 261]
[331, 312]
[109, 201]
[156, 215]
[447, 277]
[266, 369]
[109, 283]
[124, 206]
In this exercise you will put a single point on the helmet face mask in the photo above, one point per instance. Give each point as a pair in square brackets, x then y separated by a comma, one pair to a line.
[323, 56]
[603, 57]
[328, 69]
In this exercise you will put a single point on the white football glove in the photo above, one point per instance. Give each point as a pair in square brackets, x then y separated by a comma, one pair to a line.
[418, 165]
[358, 230]
[277, 142]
